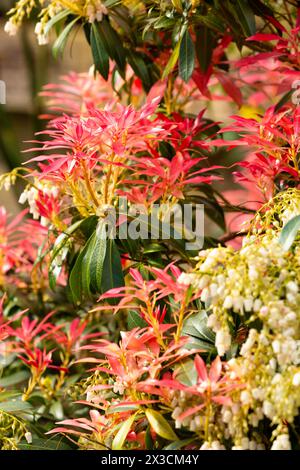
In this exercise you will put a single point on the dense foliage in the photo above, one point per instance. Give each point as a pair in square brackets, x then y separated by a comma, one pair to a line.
[121, 328]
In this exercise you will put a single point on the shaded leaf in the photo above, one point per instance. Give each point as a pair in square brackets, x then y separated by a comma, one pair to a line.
[14, 379]
[44, 444]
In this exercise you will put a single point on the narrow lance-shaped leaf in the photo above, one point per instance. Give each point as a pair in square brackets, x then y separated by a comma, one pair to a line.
[174, 58]
[75, 279]
[112, 268]
[245, 16]
[97, 261]
[100, 55]
[60, 251]
[186, 57]
[289, 233]
[121, 435]
[113, 44]
[55, 19]
[61, 41]
[160, 425]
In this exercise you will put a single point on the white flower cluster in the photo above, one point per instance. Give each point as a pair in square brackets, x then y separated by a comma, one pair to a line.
[11, 27]
[260, 283]
[95, 11]
[214, 445]
[31, 195]
[42, 37]
[282, 442]
[248, 282]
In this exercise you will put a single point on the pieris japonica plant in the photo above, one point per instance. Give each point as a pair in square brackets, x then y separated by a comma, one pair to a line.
[150, 285]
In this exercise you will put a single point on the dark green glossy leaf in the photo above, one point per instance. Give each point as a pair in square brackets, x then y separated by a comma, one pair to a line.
[140, 68]
[245, 16]
[98, 256]
[112, 268]
[186, 57]
[86, 275]
[100, 55]
[60, 251]
[113, 44]
[205, 43]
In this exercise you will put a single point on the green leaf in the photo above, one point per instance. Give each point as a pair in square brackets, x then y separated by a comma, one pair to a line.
[60, 251]
[160, 425]
[14, 379]
[86, 275]
[139, 66]
[164, 23]
[112, 268]
[135, 320]
[205, 43]
[148, 439]
[121, 435]
[212, 21]
[153, 248]
[55, 19]
[122, 408]
[195, 326]
[111, 3]
[173, 59]
[113, 44]
[186, 57]
[44, 444]
[61, 41]
[100, 55]
[245, 17]
[176, 445]
[186, 373]
[283, 100]
[16, 405]
[97, 257]
[75, 278]
[56, 409]
[289, 233]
